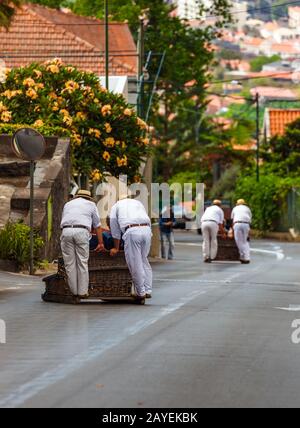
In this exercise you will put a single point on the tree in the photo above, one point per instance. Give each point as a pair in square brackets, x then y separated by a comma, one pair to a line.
[282, 153]
[7, 10]
[106, 135]
[55, 4]
[258, 62]
[179, 102]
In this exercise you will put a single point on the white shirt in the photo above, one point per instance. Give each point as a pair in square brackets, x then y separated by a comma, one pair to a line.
[213, 213]
[125, 213]
[80, 212]
[241, 213]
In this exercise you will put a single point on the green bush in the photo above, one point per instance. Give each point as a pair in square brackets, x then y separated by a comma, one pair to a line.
[46, 130]
[15, 244]
[265, 198]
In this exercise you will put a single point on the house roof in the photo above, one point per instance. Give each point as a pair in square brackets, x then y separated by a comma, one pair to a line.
[276, 120]
[289, 48]
[38, 33]
[271, 92]
[294, 9]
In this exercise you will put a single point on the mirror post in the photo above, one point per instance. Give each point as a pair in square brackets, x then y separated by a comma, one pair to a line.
[31, 267]
[28, 144]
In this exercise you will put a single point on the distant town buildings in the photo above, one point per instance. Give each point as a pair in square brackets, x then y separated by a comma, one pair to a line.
[239, 12]
[190, 9]
[294, 17]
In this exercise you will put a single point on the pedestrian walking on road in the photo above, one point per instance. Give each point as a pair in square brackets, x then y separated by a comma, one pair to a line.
[166, 223]
[242, 218]
[79, 216]
[129, 218]
[211, 222]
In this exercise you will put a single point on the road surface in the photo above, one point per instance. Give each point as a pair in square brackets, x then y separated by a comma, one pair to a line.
[216, 335]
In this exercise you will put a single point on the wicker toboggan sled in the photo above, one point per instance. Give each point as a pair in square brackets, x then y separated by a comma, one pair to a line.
[109, 276]
[227, 250]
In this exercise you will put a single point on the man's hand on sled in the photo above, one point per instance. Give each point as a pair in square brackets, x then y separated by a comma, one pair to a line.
[100, 247]
[114, 252]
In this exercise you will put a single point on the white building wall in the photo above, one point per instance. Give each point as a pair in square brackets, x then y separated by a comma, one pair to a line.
[189, 9]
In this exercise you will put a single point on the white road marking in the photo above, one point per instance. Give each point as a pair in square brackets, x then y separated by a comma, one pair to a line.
[10, 288]
[291, 308]
[279, 254]
[200, 281]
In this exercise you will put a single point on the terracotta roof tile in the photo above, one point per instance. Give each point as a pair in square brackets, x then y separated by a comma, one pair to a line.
[38, 33]
[278, 119]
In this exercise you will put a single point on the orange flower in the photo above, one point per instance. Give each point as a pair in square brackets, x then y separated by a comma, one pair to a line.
[106, 110]
[53, 68]
[96, 175]
[122, 161]
[29, 82]
[109, 142]
[31, 93]
[71, 86]
[128, 112]
[6, 116]
[141, 123]
[38, 123]
[38, 73]
[106, 156]
[68, 120]
[2, 107]
[108, 128]
[94, 132]
[76, 139]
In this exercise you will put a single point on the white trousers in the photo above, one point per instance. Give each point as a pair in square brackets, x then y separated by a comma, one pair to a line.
[241, 234]
[137, 244]
[75, 251]
[210, 239]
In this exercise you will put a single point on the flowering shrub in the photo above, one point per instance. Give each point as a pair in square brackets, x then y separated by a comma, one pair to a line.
[106, 134]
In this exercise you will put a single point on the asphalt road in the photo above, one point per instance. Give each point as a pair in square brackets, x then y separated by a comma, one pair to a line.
[214, 335]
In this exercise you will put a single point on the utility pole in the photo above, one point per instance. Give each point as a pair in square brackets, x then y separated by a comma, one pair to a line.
[141, 54]
[106, 45]
[257, 137]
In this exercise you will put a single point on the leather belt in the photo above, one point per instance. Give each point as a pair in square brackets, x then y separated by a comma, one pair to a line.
[241, 222]
[136, 225]
[76, 226]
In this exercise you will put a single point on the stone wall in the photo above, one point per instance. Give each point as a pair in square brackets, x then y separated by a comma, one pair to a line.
[52, 184]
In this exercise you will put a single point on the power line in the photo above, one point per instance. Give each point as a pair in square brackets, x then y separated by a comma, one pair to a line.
[242, 79]
[238, 97]
[258, 9]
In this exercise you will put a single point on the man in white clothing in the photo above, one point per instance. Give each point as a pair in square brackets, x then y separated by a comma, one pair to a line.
[211, 222]
[129, 220]
[242, 218]
[79, 216]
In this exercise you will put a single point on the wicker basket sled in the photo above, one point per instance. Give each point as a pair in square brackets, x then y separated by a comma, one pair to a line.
[109, 277]
[227, 250]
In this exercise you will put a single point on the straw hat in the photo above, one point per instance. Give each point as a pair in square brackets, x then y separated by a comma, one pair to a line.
[86, 194]
[241, 202]
[217, 202]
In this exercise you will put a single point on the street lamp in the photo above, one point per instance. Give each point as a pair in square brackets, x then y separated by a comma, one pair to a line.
[257, 138]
